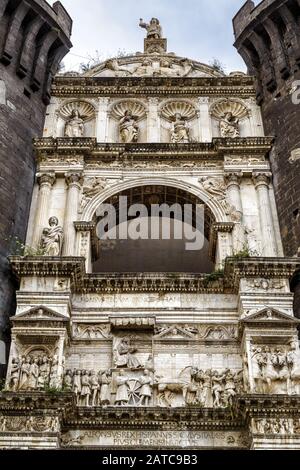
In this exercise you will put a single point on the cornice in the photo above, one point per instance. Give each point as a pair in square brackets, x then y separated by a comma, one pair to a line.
[235, 269]
[93, 150]
[67, 87]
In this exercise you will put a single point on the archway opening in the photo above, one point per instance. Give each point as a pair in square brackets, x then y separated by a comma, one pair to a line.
[152, 228]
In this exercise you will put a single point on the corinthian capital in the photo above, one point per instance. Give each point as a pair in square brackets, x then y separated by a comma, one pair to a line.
[46, 179]
[262, 178]
[233, 178]
[73, 179]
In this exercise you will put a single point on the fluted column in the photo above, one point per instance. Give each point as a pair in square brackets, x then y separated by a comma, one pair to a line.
[153, 121]
[73, 181]
[102, 119]
[45, 181]
[262, 181]
[233, 181]
[204, 120]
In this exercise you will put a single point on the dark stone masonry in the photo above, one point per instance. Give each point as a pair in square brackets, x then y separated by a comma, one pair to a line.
[34, 37]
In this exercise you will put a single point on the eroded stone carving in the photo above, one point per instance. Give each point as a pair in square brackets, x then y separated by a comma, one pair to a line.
[154, 29]
[229, 126]
[52, 238]
[75, 125]
[124, 354]
[180, 132]
[128, 128]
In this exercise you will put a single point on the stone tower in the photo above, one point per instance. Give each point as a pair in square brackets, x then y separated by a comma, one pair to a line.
[33, 39]
[268, 38]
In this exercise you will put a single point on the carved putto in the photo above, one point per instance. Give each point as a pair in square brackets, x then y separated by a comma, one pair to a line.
[52, 238]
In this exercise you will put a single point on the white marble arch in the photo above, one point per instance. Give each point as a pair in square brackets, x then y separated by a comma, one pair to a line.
[215, 207]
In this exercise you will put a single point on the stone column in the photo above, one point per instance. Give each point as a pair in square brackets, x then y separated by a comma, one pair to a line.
[153, 121]
[204, 120]
[73, 181]
[45, 181]
[102, 120]
[261, 182]
[234, 198]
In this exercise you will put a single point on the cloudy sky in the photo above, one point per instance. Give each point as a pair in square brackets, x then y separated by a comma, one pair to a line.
[198, 29]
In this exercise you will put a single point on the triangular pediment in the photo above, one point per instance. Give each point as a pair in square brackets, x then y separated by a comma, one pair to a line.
[40, 313]
[270, 315]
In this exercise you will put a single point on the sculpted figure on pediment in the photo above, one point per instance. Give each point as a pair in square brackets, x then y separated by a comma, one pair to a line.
[119, 71]
[154, 29]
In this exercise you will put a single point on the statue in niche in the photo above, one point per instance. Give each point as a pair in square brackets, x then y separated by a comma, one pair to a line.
[229, 126]
[239, 232]
[75, 125]
[52, 238]
[125, 355]
[146, 388]
[25, 372]
[105, 392]
[154, 30]
[128, 128]
[122, 396]
[14, 375]
[180, 132]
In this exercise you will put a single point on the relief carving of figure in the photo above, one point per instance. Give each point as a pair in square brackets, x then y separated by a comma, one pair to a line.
[52, 238]
[154, 30]
[113, 65]
[44, 373]
[128, 128]
[94, 386]
[68, 380]
[14, 375]
[180, 132]
[75, 125]
[229, 126]
[122, 396]
[25, 372]
[125, 355]
[105, 392]
[146, 388]
[53, 378]
[33, 374]
[77, 385]
[85, 388]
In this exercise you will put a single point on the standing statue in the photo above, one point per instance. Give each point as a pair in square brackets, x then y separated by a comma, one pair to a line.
[180, 132]
[25, 372]
[94, 385]
[154, 30]
[53, 377]
[77, 385]
[44, 373]
[14, 375]
[146, 389]
[85, 388]
[124, 355]
[75, 125]
[122, 397]
[128, 128]
[105, 388]
[52, 238]
[68, 380]
[229, 126]
[33, 374]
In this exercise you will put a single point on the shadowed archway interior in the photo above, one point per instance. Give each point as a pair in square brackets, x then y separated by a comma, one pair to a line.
[155, 255]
